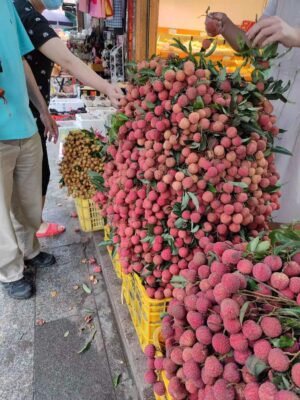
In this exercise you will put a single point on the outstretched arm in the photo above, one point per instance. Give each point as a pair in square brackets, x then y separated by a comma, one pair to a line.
[56, 51]
[219, 24]
[38, 101]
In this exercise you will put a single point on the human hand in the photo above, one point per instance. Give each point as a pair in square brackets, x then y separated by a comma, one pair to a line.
[51, 128]
[214, 23]
[114, 93]
[273, 29]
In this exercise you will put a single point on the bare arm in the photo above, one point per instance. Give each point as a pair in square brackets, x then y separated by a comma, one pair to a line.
[219, 23]
[38, 101]
[56, 51]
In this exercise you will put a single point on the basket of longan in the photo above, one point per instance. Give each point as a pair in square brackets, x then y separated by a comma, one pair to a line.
[83, 153]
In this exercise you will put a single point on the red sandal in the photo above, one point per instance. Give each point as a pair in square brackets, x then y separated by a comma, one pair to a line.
[52, 230]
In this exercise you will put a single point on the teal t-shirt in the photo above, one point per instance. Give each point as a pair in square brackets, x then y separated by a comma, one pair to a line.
[16, 119]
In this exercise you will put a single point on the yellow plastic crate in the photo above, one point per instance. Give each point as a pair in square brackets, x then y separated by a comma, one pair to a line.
[167, 395]
[89, 215]
[116, 259]
[160, 352]
[145, 312]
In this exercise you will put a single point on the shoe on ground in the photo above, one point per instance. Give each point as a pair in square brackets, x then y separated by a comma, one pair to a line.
[19, 290]
[41, 260]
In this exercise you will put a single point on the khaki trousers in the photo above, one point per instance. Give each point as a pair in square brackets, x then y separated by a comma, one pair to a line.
[20, 204]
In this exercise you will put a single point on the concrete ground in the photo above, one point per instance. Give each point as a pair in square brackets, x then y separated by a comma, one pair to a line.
[42, 340]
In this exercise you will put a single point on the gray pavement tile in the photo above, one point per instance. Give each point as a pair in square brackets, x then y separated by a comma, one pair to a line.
[62, 280]
[61, 373]
[16, 348]
[126, 390]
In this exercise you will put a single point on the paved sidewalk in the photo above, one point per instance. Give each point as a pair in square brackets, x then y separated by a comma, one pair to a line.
[41, 361]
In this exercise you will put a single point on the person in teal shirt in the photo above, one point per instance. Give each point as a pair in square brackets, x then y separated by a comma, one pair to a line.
[20, 158]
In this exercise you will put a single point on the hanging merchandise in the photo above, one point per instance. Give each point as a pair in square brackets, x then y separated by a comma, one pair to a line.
[109, 10]
[97, 8]
[84, 6]
[119, 15]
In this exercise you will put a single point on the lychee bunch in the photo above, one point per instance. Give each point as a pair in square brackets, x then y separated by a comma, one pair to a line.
[231, 335]
[191, 163]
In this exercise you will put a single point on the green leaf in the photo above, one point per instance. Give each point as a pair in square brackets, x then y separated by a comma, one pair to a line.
[117, 380]
[179, 45]
[178, 281]
[86, 288]
[251, 284]
[242, 185]
[211, 188]
[194, 199]
[88, 344]
[198, 104]
[243, 311]
[263, 247]
[180, 223]
[177, 209]
[283, 342]
[185, 201]
[281, 150]
[255, 366]
[195, 229]
[150, 105]
[163, 315]
[222, 75]
[212, 49]
[251, 247]
[105, 243]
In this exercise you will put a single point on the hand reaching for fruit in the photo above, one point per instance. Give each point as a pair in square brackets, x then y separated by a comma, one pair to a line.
[114, 94]
[273, 29]
[214, 23]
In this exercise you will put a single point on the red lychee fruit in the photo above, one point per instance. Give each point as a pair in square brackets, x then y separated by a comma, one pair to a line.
[231, 373]
[251, 391]
[191, 370]
[150, 377]
[279, 280]
[220, 343]
[278, 360]
[213, 367]
[230, 309]
[150, 351]
[271, 327]
[296, 374]
[262, 272]
[238, 342]
[251, 330]
[267, 391]
[262, 349]
[159, 388]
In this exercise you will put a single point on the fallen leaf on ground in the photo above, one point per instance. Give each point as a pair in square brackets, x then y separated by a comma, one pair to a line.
[40, 322]
[59, 204]
[84, 261]
[66, 334]
[88, 319]
[87, 345]
[92, 278]
[97, 269]
[86, 288]
[117, 380]
[76, 230]
[75, 287]
[54, 293]
[89, 311]
[74, 214]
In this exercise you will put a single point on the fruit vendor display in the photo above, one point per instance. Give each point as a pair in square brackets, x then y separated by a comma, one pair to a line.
[192, 161]
[83, 153]
[235, 333]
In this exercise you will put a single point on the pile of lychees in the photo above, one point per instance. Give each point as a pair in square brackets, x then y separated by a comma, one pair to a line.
[235, 333]
[192, 159]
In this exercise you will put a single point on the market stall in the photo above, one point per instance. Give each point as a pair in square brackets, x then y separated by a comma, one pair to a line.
[166, 19]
